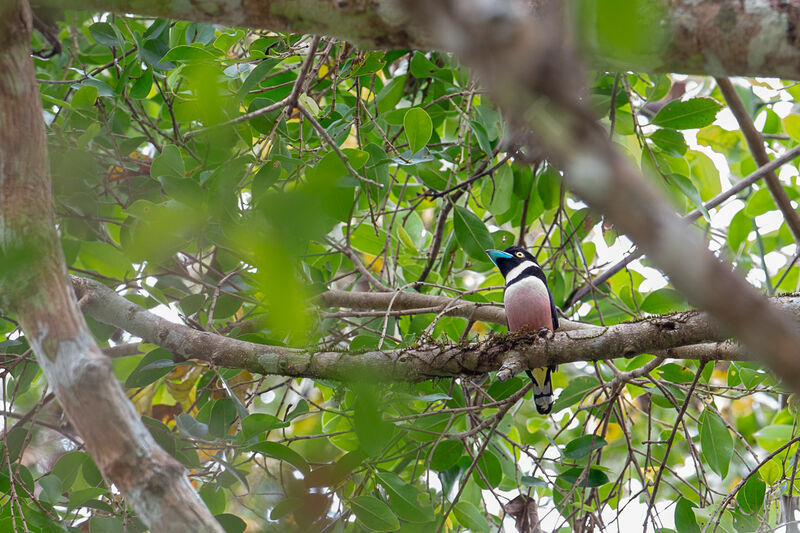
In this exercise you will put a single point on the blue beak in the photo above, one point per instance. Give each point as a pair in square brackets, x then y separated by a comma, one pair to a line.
[494, 255]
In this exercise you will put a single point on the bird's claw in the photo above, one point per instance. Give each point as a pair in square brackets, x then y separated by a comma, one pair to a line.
[545, 333]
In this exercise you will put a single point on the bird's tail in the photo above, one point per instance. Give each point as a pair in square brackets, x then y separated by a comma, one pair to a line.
[542, 388]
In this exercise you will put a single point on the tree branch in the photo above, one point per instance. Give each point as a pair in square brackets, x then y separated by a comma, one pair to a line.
[675, 335]
[756, 143]
[716, 37]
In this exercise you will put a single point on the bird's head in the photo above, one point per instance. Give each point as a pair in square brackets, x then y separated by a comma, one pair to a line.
[510, 258]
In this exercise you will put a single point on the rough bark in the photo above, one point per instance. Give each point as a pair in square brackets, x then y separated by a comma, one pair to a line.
[675, 335]
[715, 37]
[34, 286]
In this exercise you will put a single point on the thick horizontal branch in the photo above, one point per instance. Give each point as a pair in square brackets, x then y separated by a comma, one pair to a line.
[716, 37]
[673, 335]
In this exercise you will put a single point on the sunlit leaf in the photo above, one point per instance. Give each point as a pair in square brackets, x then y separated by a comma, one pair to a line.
[692, 113]
[418, 127]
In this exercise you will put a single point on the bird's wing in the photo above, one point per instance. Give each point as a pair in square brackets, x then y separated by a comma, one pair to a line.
[553, 310]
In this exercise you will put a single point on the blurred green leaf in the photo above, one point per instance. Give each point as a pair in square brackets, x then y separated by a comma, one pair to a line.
[374, 514]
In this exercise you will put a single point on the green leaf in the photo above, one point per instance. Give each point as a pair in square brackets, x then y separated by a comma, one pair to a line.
[575, 390]
[141, 89]
[104, 33]
[168, 163]
[405, 499]
[189, 426]
[105, 524]
[446, 455]
[282, 453]
[583, 446]
[231, 523]
[685, 521]
[771, 471]
[105, 259]
[532, 481]
[471, 233]
[51, 489]
[675, 373]
[418, 127]
[153, 366]
[792, 126]
[67, 467]
[774, 436]
[740, 227]
[391, 94]
[594, 478]
[488, 465]
[500, 390]
[716, 442]
[421, 66]
[689, 190]
[192, 54]
[548, 184]
[85, 97]
[151, 52]
[372, 431]
[256, 76]
[259, 423]
[692, 113]
[223, 415]
[498, 193]
[470, 517]
[751, 496]
[669, 140]
[300, 409]
[286, 506]
[663, 301]
[374, 514]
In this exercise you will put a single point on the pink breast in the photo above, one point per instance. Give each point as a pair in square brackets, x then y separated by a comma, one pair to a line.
[528, 305]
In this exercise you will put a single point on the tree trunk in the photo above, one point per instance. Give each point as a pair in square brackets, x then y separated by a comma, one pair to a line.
[33, 285]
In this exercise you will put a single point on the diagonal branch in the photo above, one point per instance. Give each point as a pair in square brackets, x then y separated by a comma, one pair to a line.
[756, 143]
[691, 216]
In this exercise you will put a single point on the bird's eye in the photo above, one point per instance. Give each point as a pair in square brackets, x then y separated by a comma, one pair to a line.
[519, 254]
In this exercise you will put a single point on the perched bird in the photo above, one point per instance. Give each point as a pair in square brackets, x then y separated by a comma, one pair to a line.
[529, 305]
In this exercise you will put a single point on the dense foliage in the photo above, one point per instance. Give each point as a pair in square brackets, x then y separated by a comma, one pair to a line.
[225, 177]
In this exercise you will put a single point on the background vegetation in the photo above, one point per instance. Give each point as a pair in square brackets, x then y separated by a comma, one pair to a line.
[228, 178]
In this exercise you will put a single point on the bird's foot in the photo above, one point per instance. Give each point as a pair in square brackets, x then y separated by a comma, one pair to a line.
[545, 333]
